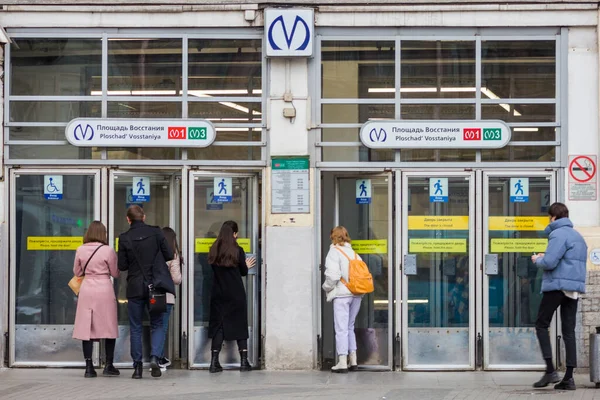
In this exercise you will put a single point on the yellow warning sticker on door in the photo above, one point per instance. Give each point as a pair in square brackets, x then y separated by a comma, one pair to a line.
[534, 245]
[202, 245]
[437, 246]
[54, 242]
[518, 223]
[427, 222]
[370, 246]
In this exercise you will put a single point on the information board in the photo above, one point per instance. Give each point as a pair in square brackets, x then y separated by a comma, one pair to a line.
[290, 186]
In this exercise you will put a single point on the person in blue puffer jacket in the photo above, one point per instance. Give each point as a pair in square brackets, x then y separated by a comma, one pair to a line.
[564, 265]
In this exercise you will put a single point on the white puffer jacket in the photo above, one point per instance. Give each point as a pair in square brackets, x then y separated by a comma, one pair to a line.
[336, 267]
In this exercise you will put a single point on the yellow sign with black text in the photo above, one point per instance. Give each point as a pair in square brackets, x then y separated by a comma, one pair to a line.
[437, 245]
[54, 242]
[428, 222]
[532, 223]
[534, 245]
[202, 245]
[370, 246]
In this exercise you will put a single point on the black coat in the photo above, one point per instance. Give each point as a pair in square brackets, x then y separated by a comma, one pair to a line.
[228, 305]
[148, 242]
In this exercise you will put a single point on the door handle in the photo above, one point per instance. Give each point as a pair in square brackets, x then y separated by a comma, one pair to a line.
[410, 264]
[491, 264]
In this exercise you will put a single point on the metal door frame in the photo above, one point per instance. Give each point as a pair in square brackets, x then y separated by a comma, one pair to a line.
[98, 215]
[483, 249]
[391, 297]
[402, 177]
[189, 189]
[173, 218]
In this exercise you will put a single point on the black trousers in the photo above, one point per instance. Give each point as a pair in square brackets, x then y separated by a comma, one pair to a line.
[109, 344]
[218, 339]
[568, 314]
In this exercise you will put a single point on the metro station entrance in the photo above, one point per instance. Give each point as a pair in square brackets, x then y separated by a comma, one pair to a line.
[450, 255]
[46, 231]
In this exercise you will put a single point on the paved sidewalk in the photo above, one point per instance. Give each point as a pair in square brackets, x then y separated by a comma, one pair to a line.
[69, 384]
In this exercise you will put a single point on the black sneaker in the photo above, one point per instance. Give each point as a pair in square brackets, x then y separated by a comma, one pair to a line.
[568, 384]
[547, 379]
[164, 362]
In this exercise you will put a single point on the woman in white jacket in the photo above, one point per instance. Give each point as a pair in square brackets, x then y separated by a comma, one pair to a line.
[345, 304]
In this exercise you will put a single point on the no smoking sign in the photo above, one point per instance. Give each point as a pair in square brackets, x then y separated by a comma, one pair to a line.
[582, 178]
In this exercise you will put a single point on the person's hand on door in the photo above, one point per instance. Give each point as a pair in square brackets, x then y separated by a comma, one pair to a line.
[251, 262]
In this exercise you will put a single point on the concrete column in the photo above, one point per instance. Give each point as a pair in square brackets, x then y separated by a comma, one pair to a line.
[290, 338]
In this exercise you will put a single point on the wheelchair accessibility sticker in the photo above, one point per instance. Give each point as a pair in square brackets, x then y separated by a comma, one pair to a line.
[53, 187]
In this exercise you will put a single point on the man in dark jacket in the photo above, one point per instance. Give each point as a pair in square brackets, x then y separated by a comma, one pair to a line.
[143, 244]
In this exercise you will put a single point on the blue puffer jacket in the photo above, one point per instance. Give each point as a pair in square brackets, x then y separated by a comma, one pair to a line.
[564, 262]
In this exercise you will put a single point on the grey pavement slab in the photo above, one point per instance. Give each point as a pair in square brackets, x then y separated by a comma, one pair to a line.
[69, 384]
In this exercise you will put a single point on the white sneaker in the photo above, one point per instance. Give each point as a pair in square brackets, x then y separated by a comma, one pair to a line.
[342, 365]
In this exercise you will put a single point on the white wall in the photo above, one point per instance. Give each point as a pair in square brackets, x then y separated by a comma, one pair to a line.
[582, 113]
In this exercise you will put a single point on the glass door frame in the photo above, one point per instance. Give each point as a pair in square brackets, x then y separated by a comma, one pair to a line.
[483, 294]
[98, 215]
[402, 177]
[391, 303]
[188, 225]
[174, 222]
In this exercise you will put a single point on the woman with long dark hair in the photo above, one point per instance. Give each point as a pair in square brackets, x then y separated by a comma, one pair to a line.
[228, 307]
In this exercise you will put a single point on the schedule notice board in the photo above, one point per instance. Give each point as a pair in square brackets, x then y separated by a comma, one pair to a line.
[290, 186]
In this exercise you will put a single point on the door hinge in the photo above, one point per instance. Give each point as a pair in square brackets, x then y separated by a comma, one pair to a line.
[6, 349]
[479, 351]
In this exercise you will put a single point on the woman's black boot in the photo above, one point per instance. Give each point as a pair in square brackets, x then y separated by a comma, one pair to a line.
[215, 365]
[137, 370]
[244, 364]
[109, 368]
[90, 372]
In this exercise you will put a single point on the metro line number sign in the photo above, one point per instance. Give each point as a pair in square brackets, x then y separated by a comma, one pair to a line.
[489, 134]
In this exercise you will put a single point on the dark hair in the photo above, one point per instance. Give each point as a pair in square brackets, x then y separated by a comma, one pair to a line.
[558, 210]
[225, 251]
[171, 237]
[135, 213]
[96, 233]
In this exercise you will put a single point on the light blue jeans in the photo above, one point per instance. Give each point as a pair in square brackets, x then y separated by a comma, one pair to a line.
[166, 315]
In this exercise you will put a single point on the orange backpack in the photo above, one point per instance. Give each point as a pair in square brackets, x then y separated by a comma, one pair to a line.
[360, 280]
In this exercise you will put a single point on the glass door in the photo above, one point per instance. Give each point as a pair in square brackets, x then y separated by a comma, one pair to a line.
[162, 209]
[207, 212]
[362, 204]
[515, 214]
[438, 264]
[49, 214]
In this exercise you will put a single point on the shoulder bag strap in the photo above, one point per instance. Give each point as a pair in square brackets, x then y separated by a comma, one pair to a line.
[89, 259]
[343, 252]
[138, 260]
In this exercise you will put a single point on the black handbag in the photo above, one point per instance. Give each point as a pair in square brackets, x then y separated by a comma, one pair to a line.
[157, 299]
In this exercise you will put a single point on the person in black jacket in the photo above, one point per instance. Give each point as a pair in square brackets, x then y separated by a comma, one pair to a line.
[144, 243]
[228, 307]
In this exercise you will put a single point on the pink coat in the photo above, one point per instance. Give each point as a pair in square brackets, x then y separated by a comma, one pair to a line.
[96, 316]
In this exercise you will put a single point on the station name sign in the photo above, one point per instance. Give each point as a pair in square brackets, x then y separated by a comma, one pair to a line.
[489, 134]
[116, 132]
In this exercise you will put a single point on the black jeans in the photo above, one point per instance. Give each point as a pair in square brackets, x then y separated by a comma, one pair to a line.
[109, 344]
[568, 314]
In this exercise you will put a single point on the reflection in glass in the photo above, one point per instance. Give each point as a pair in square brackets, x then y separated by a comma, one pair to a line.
[55, 66]
[144, 67]
[520, 153]
[533, 134]
[355, 113]
[518, 69]
[52, 111]
[248, 153]
[42, 295]
[143, 153]
[225, 68]
[519, 112]
[358, 69]
[437, 69]
[140, 109]
[370, 222]
[227, 112]
[60, 152]
[347, 153]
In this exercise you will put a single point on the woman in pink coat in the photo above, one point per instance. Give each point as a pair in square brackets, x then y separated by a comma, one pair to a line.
[96, 316]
